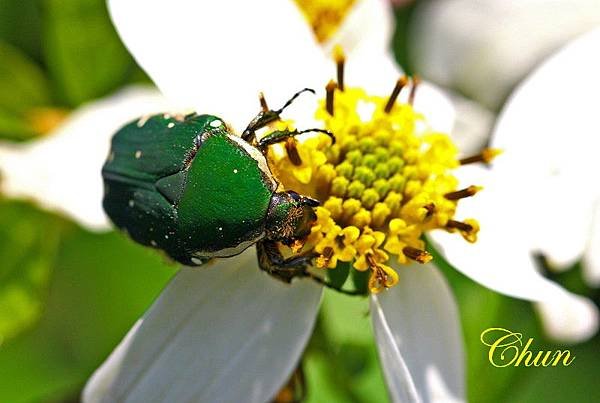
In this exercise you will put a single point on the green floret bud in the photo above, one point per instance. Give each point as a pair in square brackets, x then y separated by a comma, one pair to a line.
[369, 198]
[382, 154]
[382, 170]
[345, 169]
[339, 186]
[354, 157]
[355, 189]
[382, 187]
[364, 175]
[367, 144]
[397, 183]
[369, 160]
[396, 148]
[395, 164]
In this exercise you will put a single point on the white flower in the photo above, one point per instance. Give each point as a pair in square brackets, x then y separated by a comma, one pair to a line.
[485, 47]
[61, 172]
[549, 131]
[228, 332]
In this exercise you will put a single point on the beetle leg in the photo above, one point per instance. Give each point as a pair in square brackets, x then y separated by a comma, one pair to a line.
[272, 261]
[282, 135]
[269, 116]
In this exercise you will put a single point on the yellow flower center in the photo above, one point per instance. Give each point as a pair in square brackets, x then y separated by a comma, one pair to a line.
[325, 17]
[386, 181]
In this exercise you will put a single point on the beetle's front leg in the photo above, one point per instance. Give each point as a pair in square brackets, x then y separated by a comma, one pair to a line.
[272, 261]
[265, 117]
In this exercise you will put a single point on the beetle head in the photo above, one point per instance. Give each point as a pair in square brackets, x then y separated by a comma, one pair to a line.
[290, 216]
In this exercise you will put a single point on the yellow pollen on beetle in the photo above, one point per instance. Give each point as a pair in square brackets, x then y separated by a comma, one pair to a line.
[386, 181]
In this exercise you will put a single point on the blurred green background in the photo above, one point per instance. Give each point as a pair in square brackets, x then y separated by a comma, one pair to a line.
[67, 296]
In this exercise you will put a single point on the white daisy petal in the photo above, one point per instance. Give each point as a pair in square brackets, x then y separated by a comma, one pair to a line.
[512, 38]
[591, 257]
[419, 338]
[501, 259]
[366, 30]
[226, 332]
[570, 318]
[61, 172]
[217, 56]
[548, 131]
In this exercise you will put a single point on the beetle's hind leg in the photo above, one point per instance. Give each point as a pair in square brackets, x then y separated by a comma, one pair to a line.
[265, 117]
[272, 261]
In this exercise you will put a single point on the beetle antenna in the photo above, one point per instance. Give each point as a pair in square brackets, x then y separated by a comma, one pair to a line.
[327, 132]
[293, 98]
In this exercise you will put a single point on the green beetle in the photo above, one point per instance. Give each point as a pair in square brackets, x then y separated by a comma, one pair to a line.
[188, 186]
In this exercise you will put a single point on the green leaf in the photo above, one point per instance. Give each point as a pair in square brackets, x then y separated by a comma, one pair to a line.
[29, 241]
[20, 25]
[341, 361]
[101, 285]
[14, 128]
[22, 83]
[83, 52]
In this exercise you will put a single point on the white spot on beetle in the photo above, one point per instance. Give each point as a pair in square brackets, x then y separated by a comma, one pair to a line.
[166, 237]
[138, 154]
[220, 228]
[195, 260]
[216, 123]
[171, 125]
[235, 171]
[131, 203]
[153, 243]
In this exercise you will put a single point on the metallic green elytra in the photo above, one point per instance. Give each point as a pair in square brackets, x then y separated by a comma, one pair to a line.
[189, 186]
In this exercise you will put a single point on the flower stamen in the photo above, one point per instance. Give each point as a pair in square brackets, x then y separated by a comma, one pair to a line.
[400, 83]
[292, 151]
[468, 229]
[486, 156]
[383, 184]
[263, 102]
[416, 80]
[340, 60]
[329, 93]
[463, 193]
[418, 255]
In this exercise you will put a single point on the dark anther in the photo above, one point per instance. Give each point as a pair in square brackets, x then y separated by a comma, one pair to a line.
[263, 102]
[459, 225]
[400, 83]
[292, 151]
[461, 194]
[417, 255]
[330, 89]
[413, 88]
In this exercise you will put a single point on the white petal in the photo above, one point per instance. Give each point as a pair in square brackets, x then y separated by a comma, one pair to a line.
[548, 131]
[217, 56]
[473, 125]
[511, 38]
[570, 319]
[223, 333]
[419, 338]
[591, 257]
[61, 172]
[501, 259]
[366, 30]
